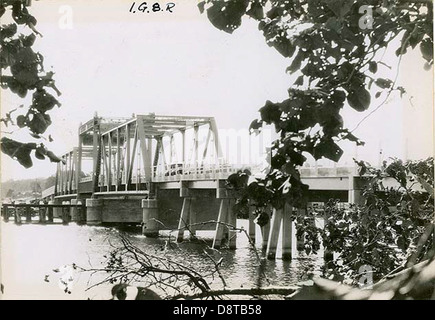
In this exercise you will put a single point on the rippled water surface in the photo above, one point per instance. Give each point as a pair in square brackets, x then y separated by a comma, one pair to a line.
[30, 253]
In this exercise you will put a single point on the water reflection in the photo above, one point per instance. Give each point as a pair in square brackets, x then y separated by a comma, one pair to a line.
[30, 252]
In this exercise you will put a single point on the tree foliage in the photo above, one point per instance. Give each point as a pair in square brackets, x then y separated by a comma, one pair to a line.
[23, 73]
[336, 49]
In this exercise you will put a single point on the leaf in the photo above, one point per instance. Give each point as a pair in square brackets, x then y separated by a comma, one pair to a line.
[270, 112]
[384, 83]
[53, 157]
[426, 48]
[17, 150]
[328, 149]
[299, 81]
[284, 46]
[256, 10]
[21, 121]
[297, 61]
[359, 99]
[29, 40]
[8, 30]
[201, 6]
[43, 101]
[227, 16]
[373, 67]
[340, 7]
[39, 154]
[39, 123]
[255, 125]
[401, 243]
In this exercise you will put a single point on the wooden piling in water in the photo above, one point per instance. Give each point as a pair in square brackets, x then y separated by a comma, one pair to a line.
[49, 212]
[81, 212]
[28, 215]
[184, 218]
[287, 230]
[192, 221]
[265, 230]
[17, 216]
[232, 221]
[220, 226]
[65, 213]
[251, 227]
[300, 239]
[5, 213]
[42, 213]
[150, 215]
[272, 242]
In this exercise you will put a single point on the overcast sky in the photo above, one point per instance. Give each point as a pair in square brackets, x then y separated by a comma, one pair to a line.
[117, 63]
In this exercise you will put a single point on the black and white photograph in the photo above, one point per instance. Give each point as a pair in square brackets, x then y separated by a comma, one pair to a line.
[217, 150]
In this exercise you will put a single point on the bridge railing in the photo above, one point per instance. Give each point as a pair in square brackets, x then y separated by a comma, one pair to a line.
[176, 172]
[48, 192]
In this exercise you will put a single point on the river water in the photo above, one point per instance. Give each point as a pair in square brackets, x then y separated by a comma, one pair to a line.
[30, 253]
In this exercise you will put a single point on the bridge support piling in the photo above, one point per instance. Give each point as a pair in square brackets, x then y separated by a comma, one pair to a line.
[49, 212]
[81, 212]
[150, 214]
[5, 213]
[94, 212]
[184, 218]
[42, 213]
[252, 227]
[192, 221]
[265, 230]
[272, 242]
[73, 210]
[328, 255]
[221, 228]
[28, 215]
[57, 211]
[300, 235]
[280, 217]
[287, 230]
[232, 221]
[66, 213]
[17, 216]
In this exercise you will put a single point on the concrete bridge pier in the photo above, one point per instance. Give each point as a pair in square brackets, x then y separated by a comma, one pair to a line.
[150, 215]
[42, 213]
[49, 212]
[5, 213]
[57, 211]
[94, 212]
[17, 216]
[280, 218]
[80, 211]
[185, 217]
[227, 220]
[300, 236]
[28, 215]
[73, 210]
[251, 226]
[66, 218]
